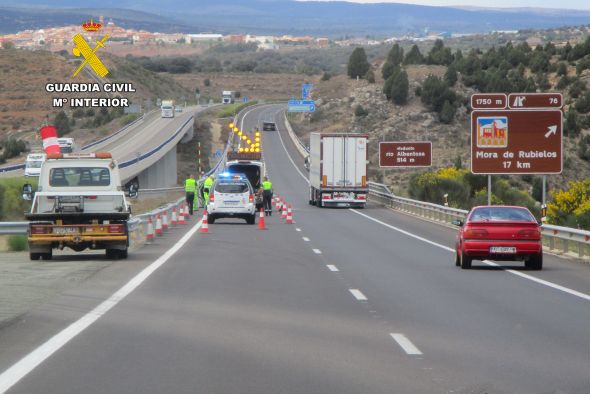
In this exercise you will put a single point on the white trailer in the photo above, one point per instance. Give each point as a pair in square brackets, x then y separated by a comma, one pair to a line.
[338, 170]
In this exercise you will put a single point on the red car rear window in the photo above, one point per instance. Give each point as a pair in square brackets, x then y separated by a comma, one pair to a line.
[501, 214]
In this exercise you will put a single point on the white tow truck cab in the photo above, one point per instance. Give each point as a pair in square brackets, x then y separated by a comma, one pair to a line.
[79, 204]
[33, 164]
[338, 170]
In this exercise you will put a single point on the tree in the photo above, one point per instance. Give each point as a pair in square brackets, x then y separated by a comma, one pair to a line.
[394, 58]
[451, 75]
[400, 87]
[414, 56]
[7, 45]
[447, 114]
[439, 54]
[562, 69]
[370, 77]
[571, 126]
[358, 66]
[62, 123]
[435, 92]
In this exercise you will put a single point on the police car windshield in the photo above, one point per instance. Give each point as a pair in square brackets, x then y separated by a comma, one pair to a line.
[231, 187]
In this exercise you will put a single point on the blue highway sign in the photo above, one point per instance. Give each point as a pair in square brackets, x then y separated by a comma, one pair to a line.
[301, 106]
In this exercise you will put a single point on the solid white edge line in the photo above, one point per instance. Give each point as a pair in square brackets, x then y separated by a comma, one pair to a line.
[406, 344]
[289, 156]
[28, 363]
[403, 231]
[317, 251]
[358, 294]
[552, 285]
[332, 268]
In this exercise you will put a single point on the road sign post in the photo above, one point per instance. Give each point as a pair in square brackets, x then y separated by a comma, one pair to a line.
[405, 154]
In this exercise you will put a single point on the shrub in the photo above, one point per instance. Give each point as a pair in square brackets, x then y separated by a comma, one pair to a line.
[435, 92]
[360, 112]
[570, 207]
[414, 56]
[447, 114]
[326, 76]
[399, 87]
[62, 123]
[207, 82]
[370, 77]
[17, 243]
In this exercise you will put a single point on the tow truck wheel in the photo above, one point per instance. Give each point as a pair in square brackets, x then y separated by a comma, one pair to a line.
[123, 254]
[34, 256]
[47, 256]
[112, 254]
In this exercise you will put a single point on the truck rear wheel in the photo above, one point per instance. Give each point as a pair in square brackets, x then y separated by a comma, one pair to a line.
[47, 256]
[114, 254]
[34, 256]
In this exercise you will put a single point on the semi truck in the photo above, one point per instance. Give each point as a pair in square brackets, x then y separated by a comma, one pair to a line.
[338, 170]
[79, 204]
[167, 108]
[66, 145]
[227, 97]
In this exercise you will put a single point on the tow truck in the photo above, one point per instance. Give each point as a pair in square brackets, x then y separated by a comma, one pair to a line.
[79, 204]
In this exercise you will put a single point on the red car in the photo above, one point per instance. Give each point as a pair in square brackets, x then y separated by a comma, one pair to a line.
[499, 233]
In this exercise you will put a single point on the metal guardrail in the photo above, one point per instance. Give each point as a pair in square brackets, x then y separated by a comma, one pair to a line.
[558, 239]
[13, 228]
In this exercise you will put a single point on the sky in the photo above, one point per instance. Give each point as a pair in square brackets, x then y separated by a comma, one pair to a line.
[571, 4]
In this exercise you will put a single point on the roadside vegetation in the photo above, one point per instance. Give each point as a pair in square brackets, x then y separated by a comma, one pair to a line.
[230, 110]
[12, 206]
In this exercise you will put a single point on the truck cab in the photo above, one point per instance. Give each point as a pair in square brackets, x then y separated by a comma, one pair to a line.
[167, 108]
[66, 145]
[227, 97]
[33, 164]
[79, 204]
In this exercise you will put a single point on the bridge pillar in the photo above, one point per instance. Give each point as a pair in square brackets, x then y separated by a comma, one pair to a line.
[162, 174]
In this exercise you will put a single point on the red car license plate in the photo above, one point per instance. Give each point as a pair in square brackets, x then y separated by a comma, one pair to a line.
[503, 249]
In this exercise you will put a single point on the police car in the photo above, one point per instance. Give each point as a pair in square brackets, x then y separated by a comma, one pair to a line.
[232, 197]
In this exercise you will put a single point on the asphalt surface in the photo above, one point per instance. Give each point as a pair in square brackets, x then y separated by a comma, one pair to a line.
[335, 303]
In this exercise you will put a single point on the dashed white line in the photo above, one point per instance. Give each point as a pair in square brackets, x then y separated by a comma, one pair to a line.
[552, 285]
[305, 239]
[297, 229]
[358, 294]
[332, 268]
[317, 251]
[32, 360]
[406, 344]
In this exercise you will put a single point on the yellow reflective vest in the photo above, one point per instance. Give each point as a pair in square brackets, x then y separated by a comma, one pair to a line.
[190, 185]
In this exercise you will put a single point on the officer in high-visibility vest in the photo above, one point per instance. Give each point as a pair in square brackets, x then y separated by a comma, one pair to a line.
[207, 185]
[190, 187]
[267, 196]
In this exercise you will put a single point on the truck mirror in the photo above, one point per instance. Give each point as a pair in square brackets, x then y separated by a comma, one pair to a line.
[27, 192]
[133, 190]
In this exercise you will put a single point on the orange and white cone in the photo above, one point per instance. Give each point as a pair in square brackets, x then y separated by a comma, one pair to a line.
[184, 210]
[158, 225]
[261, 222]
[274, 200]
[165, 221]
[181, 216]
[174, 220]
[204, 224]
[289, 215]
[279, 204]
[150, 229]
[284, 210]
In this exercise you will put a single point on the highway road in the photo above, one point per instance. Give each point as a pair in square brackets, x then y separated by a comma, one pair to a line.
[342, 301]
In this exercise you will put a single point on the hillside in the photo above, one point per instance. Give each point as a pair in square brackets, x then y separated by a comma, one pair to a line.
[25, 105]
[333, 18]
[338, 98]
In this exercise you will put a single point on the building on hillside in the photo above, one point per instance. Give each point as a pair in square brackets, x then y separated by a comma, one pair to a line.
[203, 37]
[322, 42]
[235, 38]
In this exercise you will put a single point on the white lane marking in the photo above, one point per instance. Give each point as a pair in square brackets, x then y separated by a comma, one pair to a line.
[306, 239]
[317, 251]
[298, 229]
[406, 344]
[403, 231]
[552, 285]
[32, 360]
[543, 282]
[358, 294]
[332, 268]
[290, 158]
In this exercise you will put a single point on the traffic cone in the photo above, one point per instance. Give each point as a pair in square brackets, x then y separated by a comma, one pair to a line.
[279, 204]
[158, 225]
[205, 224]
[165, 221]
[184, 210]
[174, 220]
[274, 200]
[181, 216]
[289, 215]
[150, 229]
[284, 210]
[261, 223]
